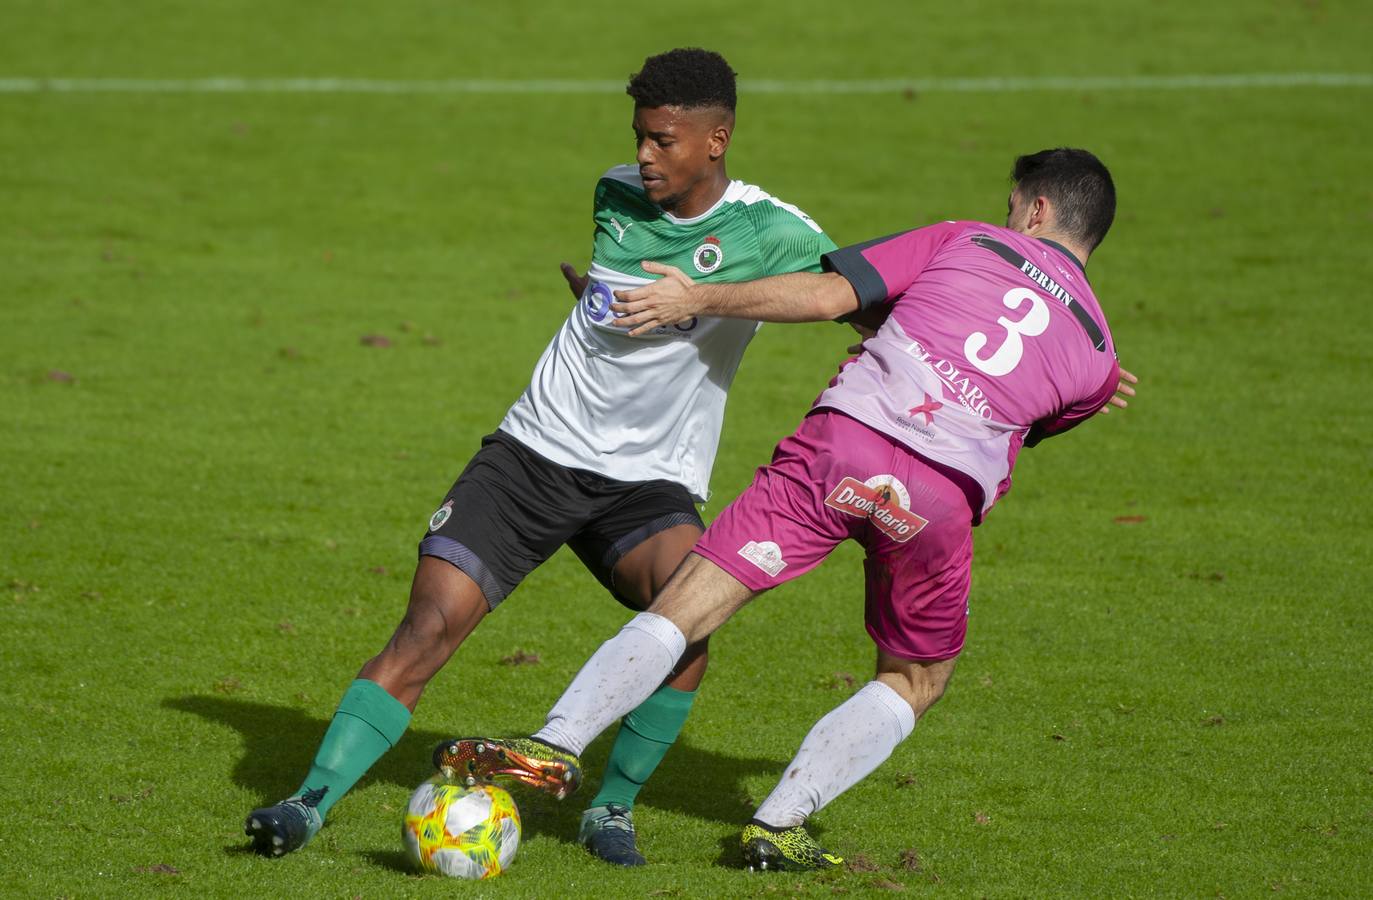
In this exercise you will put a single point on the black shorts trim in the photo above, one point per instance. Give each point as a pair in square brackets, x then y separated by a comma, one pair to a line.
[461, 557]
[617, 550]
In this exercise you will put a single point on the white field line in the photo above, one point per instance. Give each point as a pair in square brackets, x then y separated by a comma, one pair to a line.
[746, 86]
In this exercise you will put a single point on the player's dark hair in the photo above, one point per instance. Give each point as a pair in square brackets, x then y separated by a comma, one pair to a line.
[687, 77]
[1077, 184]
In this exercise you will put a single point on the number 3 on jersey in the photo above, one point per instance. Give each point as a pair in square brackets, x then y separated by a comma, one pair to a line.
[1007, 356]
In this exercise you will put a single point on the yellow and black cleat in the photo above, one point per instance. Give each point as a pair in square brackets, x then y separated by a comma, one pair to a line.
[785, 849]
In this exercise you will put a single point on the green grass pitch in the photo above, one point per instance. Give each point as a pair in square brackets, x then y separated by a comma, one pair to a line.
[212, 487]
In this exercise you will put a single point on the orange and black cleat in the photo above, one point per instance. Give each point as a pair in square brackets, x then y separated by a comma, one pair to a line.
[530, 762]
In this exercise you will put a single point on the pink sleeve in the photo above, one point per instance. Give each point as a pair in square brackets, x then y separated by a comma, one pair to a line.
[1077, 413]
[882, 269]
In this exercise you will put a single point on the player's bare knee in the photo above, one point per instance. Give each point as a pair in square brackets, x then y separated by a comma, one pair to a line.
[926, 694]
[919, 696]
[682, 613]
[700, 597]
[423, 631]
[445, 605]
[920, 683]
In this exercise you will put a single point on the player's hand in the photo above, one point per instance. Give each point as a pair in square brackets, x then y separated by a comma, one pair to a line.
[667, 301]
[1123, 390]
[575, 283]
[864, 332]
[866, 322]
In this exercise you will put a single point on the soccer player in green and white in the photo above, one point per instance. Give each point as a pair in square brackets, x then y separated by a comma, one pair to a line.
[607, 450]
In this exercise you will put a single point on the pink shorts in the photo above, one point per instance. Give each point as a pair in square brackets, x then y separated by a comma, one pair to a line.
[834, 479]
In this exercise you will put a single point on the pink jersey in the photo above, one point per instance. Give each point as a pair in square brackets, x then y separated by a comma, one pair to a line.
[993, 339]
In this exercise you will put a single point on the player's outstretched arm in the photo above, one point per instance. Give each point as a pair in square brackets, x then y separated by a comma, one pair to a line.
[675, 298]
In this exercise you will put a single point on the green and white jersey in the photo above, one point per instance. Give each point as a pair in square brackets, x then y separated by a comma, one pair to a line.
[651, 407]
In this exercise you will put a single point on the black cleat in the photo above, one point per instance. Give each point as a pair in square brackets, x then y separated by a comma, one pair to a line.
[278, 830]
[607, 832]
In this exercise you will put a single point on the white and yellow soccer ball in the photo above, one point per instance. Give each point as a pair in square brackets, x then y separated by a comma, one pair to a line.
[464, 832]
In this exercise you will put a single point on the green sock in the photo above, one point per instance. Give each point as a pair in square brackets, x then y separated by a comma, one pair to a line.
[644, 738]
[369, 722]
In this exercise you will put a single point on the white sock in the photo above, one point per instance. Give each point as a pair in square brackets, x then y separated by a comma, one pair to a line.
[849, 742]
[616, 679]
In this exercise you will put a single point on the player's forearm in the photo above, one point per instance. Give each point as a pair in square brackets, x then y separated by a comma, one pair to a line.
[794, 297]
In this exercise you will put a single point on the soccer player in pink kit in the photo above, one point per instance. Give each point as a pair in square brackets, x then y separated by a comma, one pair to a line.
[990, 339]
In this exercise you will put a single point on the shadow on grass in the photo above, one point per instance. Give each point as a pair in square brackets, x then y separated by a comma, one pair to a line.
[280, 742]
[731, 853]
[395, 860]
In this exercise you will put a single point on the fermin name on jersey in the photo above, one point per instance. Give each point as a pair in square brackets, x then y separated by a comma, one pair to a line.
[1042, 279]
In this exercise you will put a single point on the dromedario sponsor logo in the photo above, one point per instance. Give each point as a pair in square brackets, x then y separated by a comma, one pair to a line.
[882, 500]
[766, 555]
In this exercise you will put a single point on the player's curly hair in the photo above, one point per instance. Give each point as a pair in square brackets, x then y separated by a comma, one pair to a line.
[688, 77]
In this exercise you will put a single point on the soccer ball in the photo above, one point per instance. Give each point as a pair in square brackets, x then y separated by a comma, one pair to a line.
[465, 832]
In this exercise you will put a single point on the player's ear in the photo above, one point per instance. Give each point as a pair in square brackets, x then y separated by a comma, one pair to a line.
[1041, 213]
[719, 142]
[719, 137]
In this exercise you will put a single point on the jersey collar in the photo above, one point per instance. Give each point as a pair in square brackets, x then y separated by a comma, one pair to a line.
[1066, 252]
[703, 216]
